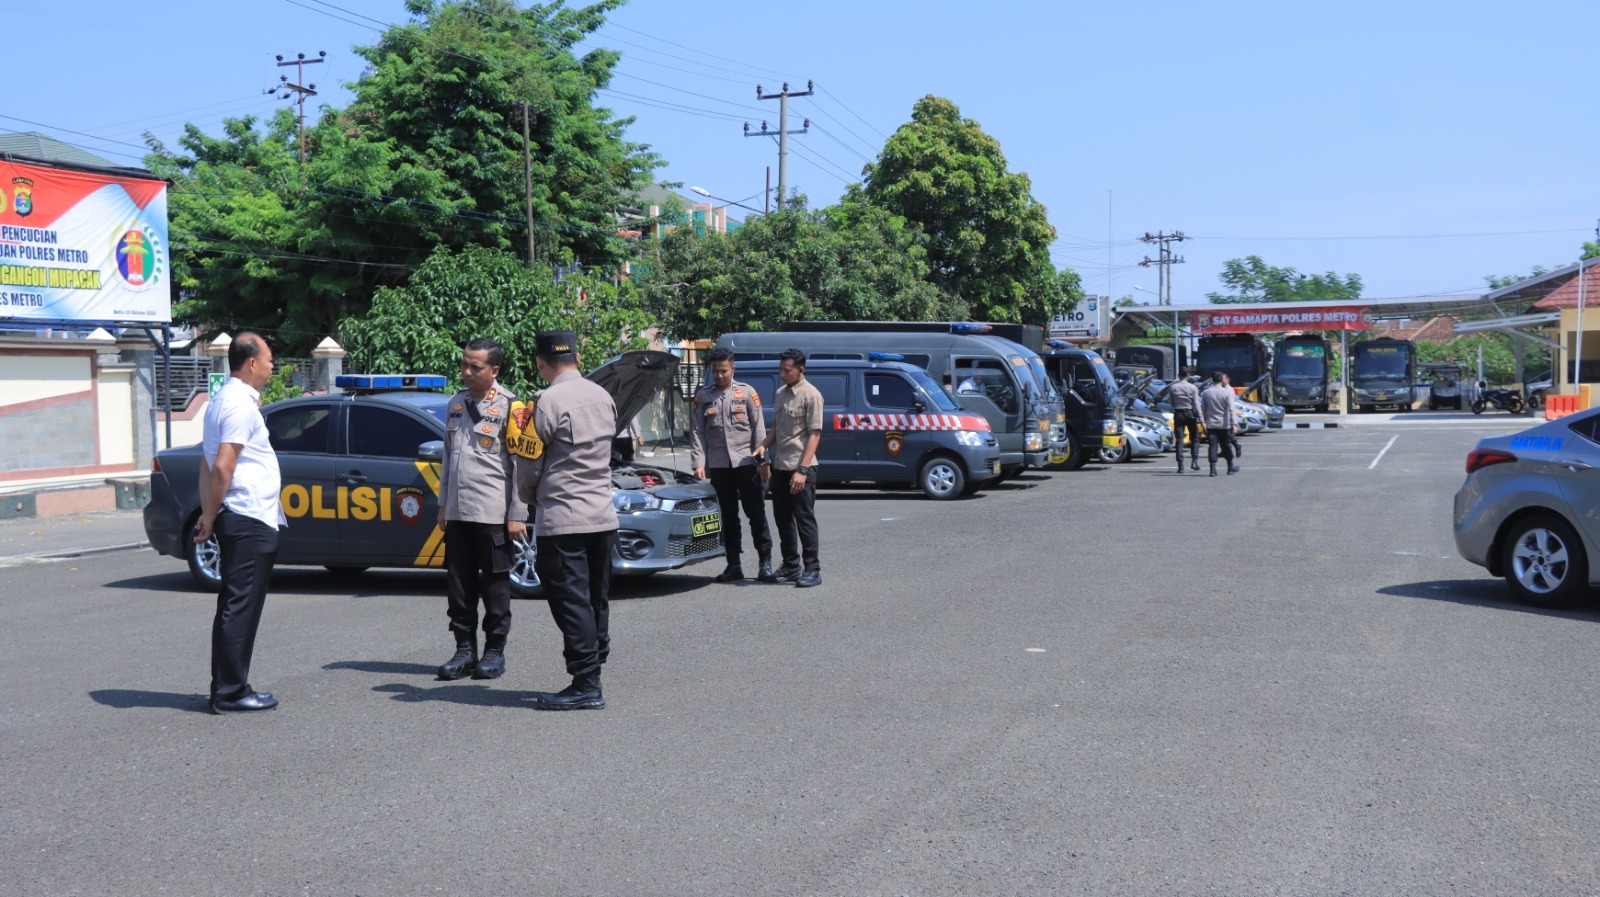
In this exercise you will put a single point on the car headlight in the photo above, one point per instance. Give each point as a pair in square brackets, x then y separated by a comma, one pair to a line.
[1034, 441]
[633, 502]
[969, 437]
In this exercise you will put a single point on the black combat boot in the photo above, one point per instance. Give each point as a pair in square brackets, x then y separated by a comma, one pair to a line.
[1233, 469]
[1194, 462]
[464, 661]
[733, 573]
[583, 694]
[1213, 469]
[765, 574]
[493, 664]
[1180, 462]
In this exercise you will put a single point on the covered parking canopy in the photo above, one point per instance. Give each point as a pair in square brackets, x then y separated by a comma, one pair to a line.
[1557, 300]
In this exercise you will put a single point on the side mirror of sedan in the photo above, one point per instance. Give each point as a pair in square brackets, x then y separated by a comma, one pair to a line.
[431, 451]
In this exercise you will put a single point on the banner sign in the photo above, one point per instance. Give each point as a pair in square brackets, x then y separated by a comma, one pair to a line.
[1242, 319]
[1090, 320]
[82, 246]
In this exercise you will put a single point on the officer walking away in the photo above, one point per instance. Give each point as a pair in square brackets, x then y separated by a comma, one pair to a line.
[1238, 414]
[480, 514]
[627, 442]
[1216, 408]
[239, 484]
[1185, 397]
[725, 430]
[563, 448]
[788, 457]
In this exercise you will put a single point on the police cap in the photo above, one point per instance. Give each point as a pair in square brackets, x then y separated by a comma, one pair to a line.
[555, 342]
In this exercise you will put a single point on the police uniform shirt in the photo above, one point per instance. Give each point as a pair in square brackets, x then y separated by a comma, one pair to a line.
[564, 463]
[1185, 397]
[798, 412]
[726, 426]
[477, 481]
[1217, 404]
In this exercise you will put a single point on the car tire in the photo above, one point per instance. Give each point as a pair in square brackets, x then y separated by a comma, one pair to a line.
[1478, 406]
[524, 578]
[205, 559]
[1116, 455]
[1545, 562]
[942, 478]
[1075, 458]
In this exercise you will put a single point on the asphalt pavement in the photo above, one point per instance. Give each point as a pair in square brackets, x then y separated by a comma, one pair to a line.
[1115, 681]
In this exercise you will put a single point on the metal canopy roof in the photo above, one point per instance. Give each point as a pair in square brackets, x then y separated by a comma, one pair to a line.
[1383, 309]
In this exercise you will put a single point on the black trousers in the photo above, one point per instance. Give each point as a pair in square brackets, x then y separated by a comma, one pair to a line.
[795, 514]
[477, 567]
[1184, 422]
[1224, 439]
[576, 571]
[249, 548]
[740, 487]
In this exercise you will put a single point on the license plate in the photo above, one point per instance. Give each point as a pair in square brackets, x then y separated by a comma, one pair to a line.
[706, 524]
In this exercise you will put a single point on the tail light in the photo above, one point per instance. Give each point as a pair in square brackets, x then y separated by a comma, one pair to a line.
[1478, 459]
[155, 465]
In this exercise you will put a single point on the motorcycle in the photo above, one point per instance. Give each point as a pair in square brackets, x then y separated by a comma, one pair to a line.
[1501, 399]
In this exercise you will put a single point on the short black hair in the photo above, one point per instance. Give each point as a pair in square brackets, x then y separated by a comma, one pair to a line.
[244, 347]
[719, 355]
[794, 355]
[1216, 376]
[496, 357]
[563, 360]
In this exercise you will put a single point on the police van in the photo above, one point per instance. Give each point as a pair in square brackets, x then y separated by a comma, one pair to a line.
[1001, 381]
[885, 421]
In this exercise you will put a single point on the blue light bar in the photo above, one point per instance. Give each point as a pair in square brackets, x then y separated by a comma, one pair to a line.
[884, 356]
[382, 382]
[969, 327]
[1058, 344]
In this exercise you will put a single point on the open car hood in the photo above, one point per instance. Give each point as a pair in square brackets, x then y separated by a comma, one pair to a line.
[633, 379]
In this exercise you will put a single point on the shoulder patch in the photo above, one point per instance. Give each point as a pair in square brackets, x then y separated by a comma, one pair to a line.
[521, 439]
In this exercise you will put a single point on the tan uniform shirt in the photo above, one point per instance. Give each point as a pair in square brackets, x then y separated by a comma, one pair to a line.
[477, 479]
[563, 450]
[1185, 397]
[1216, 406]
[726, 426]
[797, 414]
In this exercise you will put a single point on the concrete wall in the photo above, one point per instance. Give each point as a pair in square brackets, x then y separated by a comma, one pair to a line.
[61, 413]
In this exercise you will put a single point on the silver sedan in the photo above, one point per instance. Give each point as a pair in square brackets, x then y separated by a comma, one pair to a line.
[1529, 510]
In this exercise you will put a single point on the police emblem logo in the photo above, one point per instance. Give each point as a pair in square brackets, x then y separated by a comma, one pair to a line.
[894, 441]
[23, 198]
[521, 437]
[408, 503]
[458, 407]
[485, 441]
[492, 393]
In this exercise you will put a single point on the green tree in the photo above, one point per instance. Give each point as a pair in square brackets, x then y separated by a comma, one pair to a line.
[481, 292]
[1499, 362]
[1252, 280]
[846, 262]
[988, 239]
[429, 153]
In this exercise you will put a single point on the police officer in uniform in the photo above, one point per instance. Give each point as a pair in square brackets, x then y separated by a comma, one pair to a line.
[725, 429]
[562, 444]
[1185, 397]
[480, 513]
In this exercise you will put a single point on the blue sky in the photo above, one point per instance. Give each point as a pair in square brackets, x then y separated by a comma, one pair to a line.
[1421, 145]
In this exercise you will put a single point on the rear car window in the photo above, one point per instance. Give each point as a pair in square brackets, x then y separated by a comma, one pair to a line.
[386, 433]
[302, 428]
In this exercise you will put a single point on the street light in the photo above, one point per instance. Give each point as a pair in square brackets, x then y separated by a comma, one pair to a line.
[707, 193]
[1151, 292]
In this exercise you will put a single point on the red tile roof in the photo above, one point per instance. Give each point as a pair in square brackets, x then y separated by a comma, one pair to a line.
[1567, 295]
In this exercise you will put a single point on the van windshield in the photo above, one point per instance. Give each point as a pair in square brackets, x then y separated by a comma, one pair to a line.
[1042, 381]
[941, 400]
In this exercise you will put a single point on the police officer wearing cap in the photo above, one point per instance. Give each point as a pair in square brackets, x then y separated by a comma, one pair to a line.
[562, 444]
[724, 431]
[480, 513]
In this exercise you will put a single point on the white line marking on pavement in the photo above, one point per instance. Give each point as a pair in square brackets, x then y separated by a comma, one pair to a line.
[1384, 452]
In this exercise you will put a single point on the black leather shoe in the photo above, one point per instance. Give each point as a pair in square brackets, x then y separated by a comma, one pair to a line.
[573, 697]
[1233, 469]
[1213, 470]
[492, 666]
[245, 703]
[1194, 463]
[784, 575]
[462, 662]
[808, 579]
[733, 573]
[765, 574]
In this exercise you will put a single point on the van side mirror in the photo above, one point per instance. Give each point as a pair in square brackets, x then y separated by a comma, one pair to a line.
[431, 451]
[918, 406]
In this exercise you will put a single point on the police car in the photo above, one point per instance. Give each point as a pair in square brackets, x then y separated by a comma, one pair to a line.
[361, 477]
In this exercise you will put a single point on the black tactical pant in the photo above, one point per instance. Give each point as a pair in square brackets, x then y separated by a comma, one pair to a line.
[576, 571]
[249, 548]
[1218, 436]
[796, 514]
[1186, 422]
[477, 567]
[740, 487]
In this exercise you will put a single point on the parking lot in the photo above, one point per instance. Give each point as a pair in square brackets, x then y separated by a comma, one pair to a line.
[1112, 681]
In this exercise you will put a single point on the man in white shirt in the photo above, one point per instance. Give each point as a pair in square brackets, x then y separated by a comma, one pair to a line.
[239, 484]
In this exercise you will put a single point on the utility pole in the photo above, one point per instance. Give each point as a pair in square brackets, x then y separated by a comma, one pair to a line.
[782, 133]
[529, 110]
[298, 89]
[1165, 260]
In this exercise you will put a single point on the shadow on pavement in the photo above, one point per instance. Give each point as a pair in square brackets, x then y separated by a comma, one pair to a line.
[129, 699]
[474, 695]
[383, 666]
[1485, 593]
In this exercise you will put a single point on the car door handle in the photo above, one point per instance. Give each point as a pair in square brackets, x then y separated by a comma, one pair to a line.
[352, 477]
[1575, 464]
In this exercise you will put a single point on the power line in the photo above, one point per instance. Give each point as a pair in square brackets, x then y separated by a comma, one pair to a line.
[869, 124]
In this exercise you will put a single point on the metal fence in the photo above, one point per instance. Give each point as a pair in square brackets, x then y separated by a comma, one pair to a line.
[190, 373]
